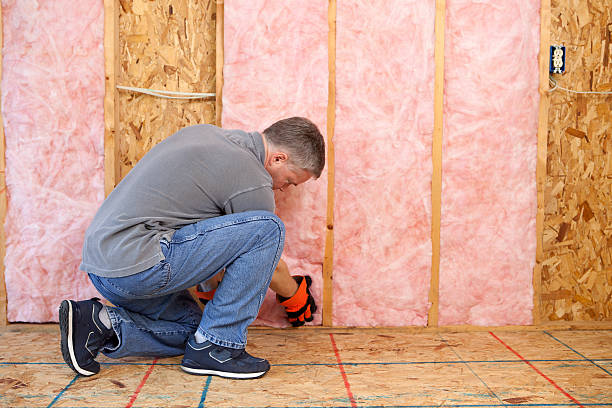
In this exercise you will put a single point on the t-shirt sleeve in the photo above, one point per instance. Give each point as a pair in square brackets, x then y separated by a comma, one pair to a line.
[257, 199]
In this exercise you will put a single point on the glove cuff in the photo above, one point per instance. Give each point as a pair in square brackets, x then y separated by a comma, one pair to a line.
[205, 295]
[299, 299]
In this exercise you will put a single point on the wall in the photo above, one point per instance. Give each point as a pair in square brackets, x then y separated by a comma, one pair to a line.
[383, 139]
[159, 46]
[577, 233]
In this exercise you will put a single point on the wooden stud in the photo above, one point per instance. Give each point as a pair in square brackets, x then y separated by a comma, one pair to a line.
[111, 97]
[436, 183]
[219, 64]
[3, 300]
[541, 155]
[328, 260]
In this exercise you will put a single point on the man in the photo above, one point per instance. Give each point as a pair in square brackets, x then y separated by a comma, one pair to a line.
[198, 203]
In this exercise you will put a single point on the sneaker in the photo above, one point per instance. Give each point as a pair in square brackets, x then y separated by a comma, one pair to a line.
[83, 334]
[210, 359]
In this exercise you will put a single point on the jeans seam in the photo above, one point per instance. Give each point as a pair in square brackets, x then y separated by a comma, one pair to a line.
[225, 225]
[167, 279]
[115, 320]
[219, 342]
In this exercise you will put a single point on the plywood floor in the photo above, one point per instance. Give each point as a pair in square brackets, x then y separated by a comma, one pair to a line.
[330, 368]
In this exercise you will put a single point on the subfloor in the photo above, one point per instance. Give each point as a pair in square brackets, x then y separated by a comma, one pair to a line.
[330, 368]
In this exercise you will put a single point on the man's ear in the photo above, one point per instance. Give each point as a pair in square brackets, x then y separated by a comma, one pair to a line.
[279, 157]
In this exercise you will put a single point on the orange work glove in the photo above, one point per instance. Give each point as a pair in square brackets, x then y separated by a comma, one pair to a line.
[204, 297]
[301, 305]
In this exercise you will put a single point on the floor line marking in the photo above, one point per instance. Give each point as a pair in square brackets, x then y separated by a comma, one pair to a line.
[205, 391]
[142, 383]
[537, 371]
[344, 377]
[581, 355]
[62, 391]
[470, 368]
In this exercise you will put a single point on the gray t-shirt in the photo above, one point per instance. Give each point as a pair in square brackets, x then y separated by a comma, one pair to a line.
[198, 173]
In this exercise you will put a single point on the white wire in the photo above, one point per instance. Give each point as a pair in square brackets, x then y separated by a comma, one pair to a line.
[166, 94]
[552, 81]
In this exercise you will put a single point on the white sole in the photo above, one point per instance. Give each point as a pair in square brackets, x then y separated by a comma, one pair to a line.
[200, 371]
[71, 346]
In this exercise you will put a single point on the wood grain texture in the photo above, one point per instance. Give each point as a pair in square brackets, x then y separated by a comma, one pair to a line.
[400, 367]
[219, 64]
[3, 318]
[576, 263]
[170, 46]
[436, 183]
[111, 108]
[328, 260]
[541, 160]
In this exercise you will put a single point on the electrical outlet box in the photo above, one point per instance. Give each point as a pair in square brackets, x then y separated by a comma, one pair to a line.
[557, 59]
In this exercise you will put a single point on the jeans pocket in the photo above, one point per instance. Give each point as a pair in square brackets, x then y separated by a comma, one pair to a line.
[148, 283]
[165, 247]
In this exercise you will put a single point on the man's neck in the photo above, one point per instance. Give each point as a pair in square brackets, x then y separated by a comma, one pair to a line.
[265, 143]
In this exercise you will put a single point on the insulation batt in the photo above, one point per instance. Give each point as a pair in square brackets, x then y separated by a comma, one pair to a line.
[276, 67]
[52, 105]
[489, 160]
[383, 140]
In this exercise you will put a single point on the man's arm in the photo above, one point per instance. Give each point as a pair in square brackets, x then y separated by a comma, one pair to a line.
[282, 282]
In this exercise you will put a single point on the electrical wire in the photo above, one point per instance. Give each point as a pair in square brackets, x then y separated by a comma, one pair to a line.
[555, 87]
[167, 94]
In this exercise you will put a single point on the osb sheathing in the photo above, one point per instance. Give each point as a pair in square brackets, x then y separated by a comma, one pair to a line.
[577, 241]
[164, 45]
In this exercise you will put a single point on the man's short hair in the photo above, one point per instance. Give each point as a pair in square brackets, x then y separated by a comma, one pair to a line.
[301, 139]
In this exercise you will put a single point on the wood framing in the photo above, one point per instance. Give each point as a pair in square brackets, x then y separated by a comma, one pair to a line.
[219, 64]
[436, 183]
[3, 302]
[111, 107]
[541, 159]
[328, 260]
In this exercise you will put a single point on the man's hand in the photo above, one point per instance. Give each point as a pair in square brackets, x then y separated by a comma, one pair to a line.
[301, 305]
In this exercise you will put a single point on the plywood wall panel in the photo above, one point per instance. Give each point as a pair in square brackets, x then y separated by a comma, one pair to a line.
[165, 45]
[577, 241]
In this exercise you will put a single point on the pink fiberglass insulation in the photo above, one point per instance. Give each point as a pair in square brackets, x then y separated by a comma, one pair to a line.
[276, 67]
[489, 161]
[384, 124]
[52, 107]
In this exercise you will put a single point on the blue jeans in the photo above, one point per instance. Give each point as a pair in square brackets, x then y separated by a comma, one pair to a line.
[155, 314]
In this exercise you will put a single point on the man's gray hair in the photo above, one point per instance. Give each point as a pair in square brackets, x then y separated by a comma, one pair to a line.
[301, 140]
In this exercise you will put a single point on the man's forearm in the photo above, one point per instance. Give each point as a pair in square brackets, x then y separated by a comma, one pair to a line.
[282, 283]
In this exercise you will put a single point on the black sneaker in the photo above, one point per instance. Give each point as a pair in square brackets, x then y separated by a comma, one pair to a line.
[210, 359]
[83, 334]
